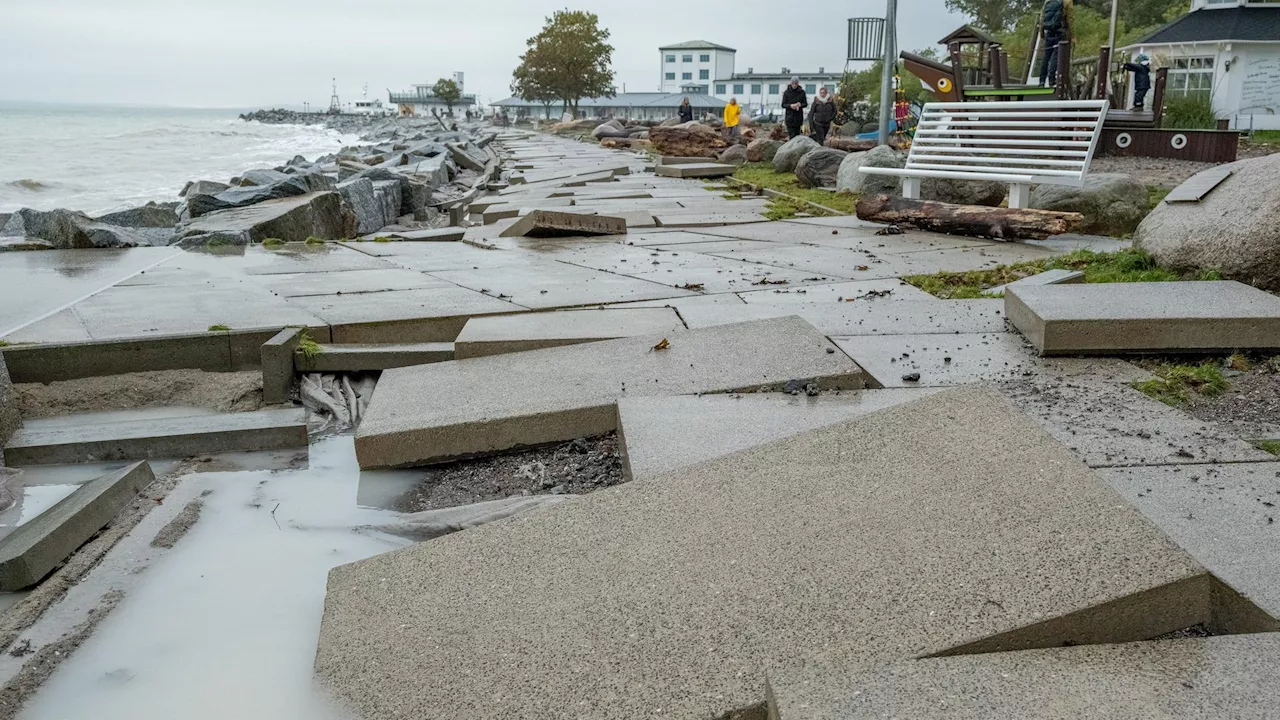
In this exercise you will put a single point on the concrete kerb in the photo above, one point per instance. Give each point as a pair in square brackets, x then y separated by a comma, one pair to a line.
[371, 357]
[37, 547]
[277, 365]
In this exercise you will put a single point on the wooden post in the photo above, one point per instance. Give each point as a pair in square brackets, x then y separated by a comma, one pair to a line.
[957, 71]
[1157, 100]
[1062, 89]
[1004, 66]
[993, 63]
[1104, 72]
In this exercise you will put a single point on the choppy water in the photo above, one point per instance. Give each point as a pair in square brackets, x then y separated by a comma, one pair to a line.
[99, 159]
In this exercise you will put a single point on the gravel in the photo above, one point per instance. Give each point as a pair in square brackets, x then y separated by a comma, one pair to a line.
[1251, 406]
[572, 468]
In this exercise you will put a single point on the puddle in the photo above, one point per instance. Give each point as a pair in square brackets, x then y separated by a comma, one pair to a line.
[225, 624]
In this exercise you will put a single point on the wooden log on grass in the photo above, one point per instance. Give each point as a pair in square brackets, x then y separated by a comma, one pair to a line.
[971, 220]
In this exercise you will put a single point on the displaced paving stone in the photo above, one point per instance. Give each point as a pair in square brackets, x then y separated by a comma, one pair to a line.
[277, 365]
[547, 223]
[661, 434]
[533, 331]
[366, 357]
[1070, 242]
[1145, 317]
[58, 442]
[956, 359]
[1112, 425]
[696, 170]
[864, 317]
[487, 405]
[874, 540]
[449, 234]
[1048, 277]
[1212, 677]
[435, 314]
[35, 548]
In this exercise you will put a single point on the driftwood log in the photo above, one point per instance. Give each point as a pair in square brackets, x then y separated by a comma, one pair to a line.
[972, 220]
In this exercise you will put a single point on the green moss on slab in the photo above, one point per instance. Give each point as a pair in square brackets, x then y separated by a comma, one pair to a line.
[1175, 384]
[219, 328]
[1271, 446]
[313, 240]
[272, 242]
[384, 239]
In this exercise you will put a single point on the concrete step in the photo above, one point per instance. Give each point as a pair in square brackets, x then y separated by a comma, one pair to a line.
[53, 443]
[359, 358]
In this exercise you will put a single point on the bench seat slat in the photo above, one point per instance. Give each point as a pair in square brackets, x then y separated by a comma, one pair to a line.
[997, 177]
[994, 153]
[998, 142]
[1006, 134]
[995, 161]
[978, 168]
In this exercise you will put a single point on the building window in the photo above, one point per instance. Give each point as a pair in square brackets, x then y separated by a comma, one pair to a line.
[1191, 76]
[737, 89]
[720, 89]
[773, 89]
[686, 76]
[704, 58]
[687, 58]
[671, 58]
[755, 88]
[671, 76]
[704, 74]
[810, 88]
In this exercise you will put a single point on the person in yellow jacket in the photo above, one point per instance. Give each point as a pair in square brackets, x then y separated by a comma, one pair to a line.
[732, 112]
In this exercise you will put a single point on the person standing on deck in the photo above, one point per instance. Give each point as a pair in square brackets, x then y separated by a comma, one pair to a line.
[732, 113]
[1141, 80]
[821, 115]
[1056, 20]
[794, 101]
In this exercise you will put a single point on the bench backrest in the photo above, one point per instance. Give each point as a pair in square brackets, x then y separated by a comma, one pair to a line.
[1052, 140]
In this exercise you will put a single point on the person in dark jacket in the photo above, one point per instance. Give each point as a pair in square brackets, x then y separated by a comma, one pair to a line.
[821, 115]
[794, 101]
[1141, 80]
[1056, 17]
[685, 111]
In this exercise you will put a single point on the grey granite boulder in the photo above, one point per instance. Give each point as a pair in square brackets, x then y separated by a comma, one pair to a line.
[203, 187]
[292, 219]
[849, 179]
[788, 156]
[818, 168]
[151, 215]
[964, 192]
[66, 229]
[243, 196]
[359, 196]
[9, 416]
[1235, 229]
[734, 155]
[763, 150]
[252, 178]
[1112, 203]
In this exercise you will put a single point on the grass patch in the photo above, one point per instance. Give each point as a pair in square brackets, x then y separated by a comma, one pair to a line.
[313, 240]
[272, 242]
[1271, 446]
[1264, 137]
[1155, 194]
[763, 175]
[219, 328]
[1176, 383]
[384, 239]
[779, 208]
[1122, 266]
[309, 348]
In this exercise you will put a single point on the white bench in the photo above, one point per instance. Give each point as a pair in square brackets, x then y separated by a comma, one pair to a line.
[1019, 143]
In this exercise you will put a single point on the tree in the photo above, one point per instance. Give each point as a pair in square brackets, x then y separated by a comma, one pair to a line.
[569, 59]
[448, 92]
[994, 16]
[1139, 13]
[526, 86]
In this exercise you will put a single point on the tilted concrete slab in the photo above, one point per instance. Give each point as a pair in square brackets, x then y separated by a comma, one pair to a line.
[865, 317]
[59, 442]
[361, 358]
[427, 315]
[695, 170]
[448, 234]
[1048, 277]
[1215, 677]
[435, 413]
[702, 219]
[1109, 318]
[903, 533]
[1070, 242]
[534, 331]
[550, 284]
[35, 548]
[1226, 516]
[10, 417]
[1110, 424]
[277, 365]
[956, 359]
[661, 434]
[548, 223]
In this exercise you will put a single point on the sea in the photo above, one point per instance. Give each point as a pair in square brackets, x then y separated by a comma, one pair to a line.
[99, 159]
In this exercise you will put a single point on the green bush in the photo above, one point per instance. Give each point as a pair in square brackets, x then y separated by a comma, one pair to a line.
[1189, 112]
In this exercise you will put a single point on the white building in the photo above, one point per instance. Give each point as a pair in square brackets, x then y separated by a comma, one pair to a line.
[699, 64]
[1228, 50]
[421, 100]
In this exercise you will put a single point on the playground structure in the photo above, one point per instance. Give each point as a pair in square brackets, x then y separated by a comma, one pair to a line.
[1125, 132]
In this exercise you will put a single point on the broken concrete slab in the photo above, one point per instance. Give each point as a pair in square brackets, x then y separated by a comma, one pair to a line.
[277, 365]
[35, 548]
[1048, 277]
[1108, 318]
[1205, 677]
[10, 418]
[449, 234]
[547, 223]
[864, 317]
[874, 540]
[367, 357]
[1224, 515]
[695, 170]
[1110, 424]
[502, 334]
[661, 434]
[51, 362]
[60, 441]
[545, 284]
[1070, 242]
[427, 315]
[941, 359]
[491, 404]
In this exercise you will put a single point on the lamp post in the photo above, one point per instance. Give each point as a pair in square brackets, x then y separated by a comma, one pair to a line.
[1111, 39]
[886, 74]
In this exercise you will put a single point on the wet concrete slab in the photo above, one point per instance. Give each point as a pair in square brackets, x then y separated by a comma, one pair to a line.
[863, 317]
[900, 534]
[353, 281]
[356, 357]
[139, 311]
[551, 284]
[491, 404]
[702, 219]
[62, 442]
[853, 291]
[660, 434]
[1234, 676]
[285, 259]
[533, 331]
[956, 359]
[692, 270]
[434, 314]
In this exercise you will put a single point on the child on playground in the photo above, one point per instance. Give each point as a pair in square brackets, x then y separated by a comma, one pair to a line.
[1141, 80]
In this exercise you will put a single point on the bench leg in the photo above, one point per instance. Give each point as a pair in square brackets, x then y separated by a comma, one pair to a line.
[1019, 196]
[911, 188]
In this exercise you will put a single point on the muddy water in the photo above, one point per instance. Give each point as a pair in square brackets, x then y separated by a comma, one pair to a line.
[225, 624]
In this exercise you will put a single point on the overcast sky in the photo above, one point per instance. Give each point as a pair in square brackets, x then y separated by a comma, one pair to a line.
[250, 53]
